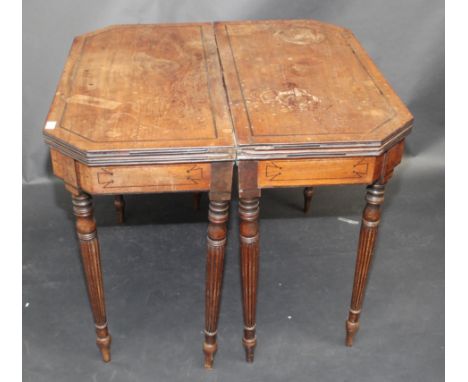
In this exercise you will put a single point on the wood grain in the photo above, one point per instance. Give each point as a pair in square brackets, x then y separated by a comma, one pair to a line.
[91, 259]
[308, 87]
[141, 92]
[64, 168]
[367, 240]
[249, 211]
[145, 179]
[314, 172]
[167, 108]
[216, 246]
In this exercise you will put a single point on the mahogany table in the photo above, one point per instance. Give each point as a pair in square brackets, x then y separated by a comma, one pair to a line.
[142, 109]
[309, 108]
[167, 108]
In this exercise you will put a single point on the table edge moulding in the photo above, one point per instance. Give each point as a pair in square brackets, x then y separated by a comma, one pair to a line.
[293, 103]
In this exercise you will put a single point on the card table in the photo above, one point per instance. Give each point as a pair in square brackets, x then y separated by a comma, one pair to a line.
[170, 108]
[309, 108]
[142, 109]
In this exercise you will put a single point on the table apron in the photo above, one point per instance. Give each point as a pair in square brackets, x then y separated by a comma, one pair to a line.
[133, 178]
[311, 172]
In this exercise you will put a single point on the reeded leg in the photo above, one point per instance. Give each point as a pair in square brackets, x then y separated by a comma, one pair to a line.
[119, 203]
[218, 216]
[89, 245]
[369, 227]
[196, 200]
[249, 239]
[308, 193]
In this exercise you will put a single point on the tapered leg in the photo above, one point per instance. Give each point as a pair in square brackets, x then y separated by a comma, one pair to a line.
[308, 193]
[89, 245]
[249, 248]
[218, 216]
[119, 203]
[196, 200]
[367, 239]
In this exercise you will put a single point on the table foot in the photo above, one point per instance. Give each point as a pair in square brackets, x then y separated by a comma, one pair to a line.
[351, 329]
[103, 344]
[308, 193]
[196, 200]
[249, 343]
[119, 203]
[209, 350]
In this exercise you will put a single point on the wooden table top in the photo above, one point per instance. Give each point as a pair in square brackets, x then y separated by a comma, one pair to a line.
[142, 94]
[306, 88]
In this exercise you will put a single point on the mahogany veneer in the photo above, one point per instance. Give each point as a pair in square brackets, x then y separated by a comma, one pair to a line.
[309, 108]
[142, 109]
[169, 108]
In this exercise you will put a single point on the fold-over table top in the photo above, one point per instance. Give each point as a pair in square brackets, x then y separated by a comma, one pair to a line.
[306, 88]
[208, 92]
[142, 93]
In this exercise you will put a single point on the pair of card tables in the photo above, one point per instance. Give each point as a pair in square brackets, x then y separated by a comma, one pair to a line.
[173, 107]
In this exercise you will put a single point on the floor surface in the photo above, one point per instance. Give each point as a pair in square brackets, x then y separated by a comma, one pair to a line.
[154, 279]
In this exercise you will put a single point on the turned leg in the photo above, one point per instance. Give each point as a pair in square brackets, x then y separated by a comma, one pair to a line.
[308, 193]
[196, 200]
[249, 236]
[369, 227]
[119, 203]
[89, 245]
[218, 216]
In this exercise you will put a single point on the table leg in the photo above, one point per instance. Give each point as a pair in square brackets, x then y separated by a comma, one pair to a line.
[119, 203]
[196, 200]
[308, 193]
[218, 216]
[249, 248]
[90, 254]
[367, 240]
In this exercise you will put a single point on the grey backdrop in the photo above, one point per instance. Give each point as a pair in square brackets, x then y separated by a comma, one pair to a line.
[155, 317]
[405, 38]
